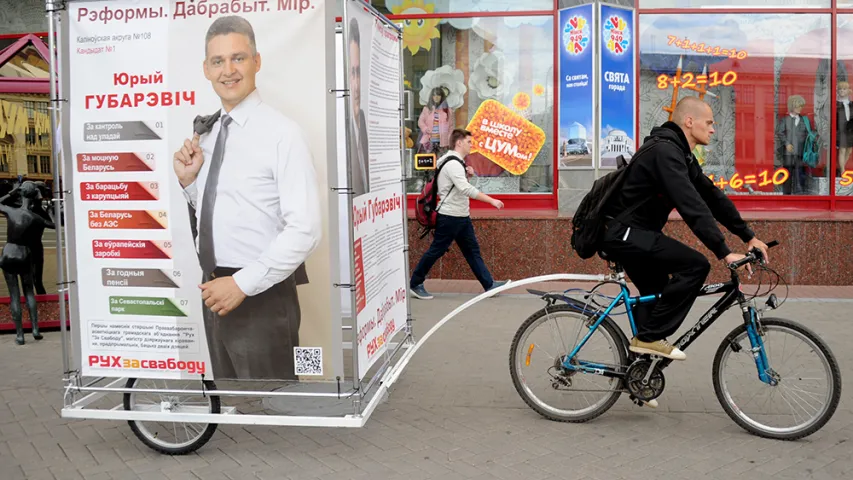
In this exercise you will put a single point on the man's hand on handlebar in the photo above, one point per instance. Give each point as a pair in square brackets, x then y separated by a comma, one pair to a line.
[756, 243]
[757, 252]
[735, 257]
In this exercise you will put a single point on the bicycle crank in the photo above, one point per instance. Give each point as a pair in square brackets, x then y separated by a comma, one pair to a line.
[644, 379]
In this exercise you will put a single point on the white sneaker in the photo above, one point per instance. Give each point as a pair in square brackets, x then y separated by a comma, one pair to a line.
[660, 347]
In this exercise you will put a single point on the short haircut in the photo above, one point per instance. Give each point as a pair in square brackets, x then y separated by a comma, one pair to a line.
[354, 36]
[795, 101]
[687, 107]
[842, 84]
[458, 134]
[231, 24]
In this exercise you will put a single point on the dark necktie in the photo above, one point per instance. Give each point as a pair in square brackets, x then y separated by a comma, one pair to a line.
[207, 256]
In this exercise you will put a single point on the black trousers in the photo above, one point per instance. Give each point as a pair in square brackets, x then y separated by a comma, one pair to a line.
[657, 264]
[256, 340]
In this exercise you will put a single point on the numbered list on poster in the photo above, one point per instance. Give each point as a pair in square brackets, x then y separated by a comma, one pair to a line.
[136, 317]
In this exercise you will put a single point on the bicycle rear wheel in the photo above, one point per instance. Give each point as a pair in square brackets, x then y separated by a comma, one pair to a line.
[535, 362]
[809, 381]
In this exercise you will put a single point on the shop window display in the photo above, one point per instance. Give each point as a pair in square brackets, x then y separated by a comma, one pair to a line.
[844, 106]
[767, 78]
[493, 76]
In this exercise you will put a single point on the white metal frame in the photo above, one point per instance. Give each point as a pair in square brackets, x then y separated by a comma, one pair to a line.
[79, 397]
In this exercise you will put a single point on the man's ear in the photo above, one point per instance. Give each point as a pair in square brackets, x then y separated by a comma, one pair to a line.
[257, 62]
[204, 69]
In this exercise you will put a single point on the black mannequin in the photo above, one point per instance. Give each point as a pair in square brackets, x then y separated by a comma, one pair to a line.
[24, 230]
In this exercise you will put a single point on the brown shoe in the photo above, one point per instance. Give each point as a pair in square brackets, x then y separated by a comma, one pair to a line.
[660, 347]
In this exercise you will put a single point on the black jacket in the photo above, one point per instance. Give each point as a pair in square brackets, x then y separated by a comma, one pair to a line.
[667, 175]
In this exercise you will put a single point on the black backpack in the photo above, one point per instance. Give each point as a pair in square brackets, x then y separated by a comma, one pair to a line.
[589, 220]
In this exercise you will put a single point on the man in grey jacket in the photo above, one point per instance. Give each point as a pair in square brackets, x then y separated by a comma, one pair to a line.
[454, 221]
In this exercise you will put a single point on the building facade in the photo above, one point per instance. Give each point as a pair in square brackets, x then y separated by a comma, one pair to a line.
[755, 62]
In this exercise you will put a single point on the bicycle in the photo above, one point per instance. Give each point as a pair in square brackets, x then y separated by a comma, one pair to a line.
[641, 375]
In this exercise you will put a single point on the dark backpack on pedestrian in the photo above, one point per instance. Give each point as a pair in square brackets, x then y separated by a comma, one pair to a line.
[426, 205]
[589, 220]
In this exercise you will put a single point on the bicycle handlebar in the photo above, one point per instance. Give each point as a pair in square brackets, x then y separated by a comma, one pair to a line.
[753, 256]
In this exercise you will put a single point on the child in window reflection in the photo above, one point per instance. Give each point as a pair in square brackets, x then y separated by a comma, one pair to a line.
[790, 140]
[844, 126]
[435, 123]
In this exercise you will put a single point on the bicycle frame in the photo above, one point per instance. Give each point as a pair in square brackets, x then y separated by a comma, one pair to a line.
[732, 295]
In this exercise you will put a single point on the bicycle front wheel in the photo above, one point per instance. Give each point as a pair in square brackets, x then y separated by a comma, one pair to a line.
[808, 381]
[536, 358]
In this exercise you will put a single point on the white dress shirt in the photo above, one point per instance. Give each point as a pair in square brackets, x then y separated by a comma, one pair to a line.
[266, 219]
[796, 118]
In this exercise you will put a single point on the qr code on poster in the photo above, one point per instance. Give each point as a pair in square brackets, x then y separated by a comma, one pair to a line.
[308, 360]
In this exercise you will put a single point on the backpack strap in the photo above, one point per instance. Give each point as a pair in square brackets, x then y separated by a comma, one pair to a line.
[806, 123]
[622, 215]
[451, 157]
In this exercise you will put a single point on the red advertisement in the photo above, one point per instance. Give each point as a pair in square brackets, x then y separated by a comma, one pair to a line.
[119, 191]
[139, 249]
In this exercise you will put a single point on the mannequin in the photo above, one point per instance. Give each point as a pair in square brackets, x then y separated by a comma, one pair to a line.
[436, 123]
[844, 126]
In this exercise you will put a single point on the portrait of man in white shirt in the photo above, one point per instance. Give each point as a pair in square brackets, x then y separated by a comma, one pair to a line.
[358, 143]
[248, 177]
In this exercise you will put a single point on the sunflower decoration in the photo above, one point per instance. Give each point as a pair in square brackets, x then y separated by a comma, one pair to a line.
[417, 34]
[521, 101]
[539, 90]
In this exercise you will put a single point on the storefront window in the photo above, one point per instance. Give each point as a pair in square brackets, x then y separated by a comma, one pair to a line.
[420, 7]
[738, 4]
[844, 107]
[767, 80]
[493, 76]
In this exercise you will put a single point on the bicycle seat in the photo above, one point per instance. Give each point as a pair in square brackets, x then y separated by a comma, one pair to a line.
[615, 266]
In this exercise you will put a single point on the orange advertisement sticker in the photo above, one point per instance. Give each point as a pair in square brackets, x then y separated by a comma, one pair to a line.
[505, 137]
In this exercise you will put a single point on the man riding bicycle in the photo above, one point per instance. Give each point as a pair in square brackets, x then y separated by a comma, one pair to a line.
[667, 176]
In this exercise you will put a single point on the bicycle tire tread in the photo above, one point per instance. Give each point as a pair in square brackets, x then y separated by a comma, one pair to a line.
[825, 350]
[608, 327]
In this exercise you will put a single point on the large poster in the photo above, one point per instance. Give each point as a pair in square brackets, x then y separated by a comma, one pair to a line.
[375, 164]
[617, 91]
[577, 53]
[200, 222]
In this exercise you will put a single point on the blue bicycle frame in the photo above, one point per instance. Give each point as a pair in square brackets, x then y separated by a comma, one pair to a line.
[732, 294]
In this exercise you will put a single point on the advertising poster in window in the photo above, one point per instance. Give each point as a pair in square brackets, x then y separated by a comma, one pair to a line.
[375, 163]
[617, 90]
[201, 202]
[768, 82]
[575, 135]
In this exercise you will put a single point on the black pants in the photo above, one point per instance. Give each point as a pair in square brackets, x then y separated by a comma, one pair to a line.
[657, 264]
[798, 177]
[448, 229]
[256, 340]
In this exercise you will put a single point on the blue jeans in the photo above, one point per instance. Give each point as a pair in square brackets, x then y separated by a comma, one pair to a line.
[448, 229]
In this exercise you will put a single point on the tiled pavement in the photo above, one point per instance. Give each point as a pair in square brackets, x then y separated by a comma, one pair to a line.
[453, 415]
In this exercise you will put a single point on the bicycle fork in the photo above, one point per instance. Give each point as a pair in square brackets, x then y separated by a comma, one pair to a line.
[756, 340]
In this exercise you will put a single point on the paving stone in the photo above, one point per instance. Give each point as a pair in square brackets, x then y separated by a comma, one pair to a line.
[454, 414]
